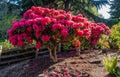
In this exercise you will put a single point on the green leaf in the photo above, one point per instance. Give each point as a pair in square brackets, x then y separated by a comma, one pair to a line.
[110, 63]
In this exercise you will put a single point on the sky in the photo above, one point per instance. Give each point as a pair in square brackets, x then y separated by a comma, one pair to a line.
[104, 11]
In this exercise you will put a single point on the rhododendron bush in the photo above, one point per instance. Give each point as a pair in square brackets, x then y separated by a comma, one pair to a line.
[50, 27]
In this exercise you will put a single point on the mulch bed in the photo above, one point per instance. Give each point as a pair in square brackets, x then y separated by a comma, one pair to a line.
[88, 64]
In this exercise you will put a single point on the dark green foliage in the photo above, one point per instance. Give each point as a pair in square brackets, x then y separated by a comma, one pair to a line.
[5, 24]
[115, 9]
[26, 4]
[66, 46]
[76, 6]
[99, 3]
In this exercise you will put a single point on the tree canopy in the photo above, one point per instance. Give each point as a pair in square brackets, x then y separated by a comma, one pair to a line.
[115, 9]
[88, 8]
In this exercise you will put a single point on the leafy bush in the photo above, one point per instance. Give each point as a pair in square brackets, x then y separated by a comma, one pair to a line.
[117, 73]
[110, 63]
[50, 27]
[5, 24]
[66, 46]
[103, 42]
[6, 45]
[114, 39]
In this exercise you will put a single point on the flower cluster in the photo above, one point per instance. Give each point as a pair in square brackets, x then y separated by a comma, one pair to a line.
[50, 26]
[96, 31]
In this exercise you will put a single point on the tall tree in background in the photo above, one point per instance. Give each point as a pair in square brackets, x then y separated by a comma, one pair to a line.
[115, 9]
[87, 7]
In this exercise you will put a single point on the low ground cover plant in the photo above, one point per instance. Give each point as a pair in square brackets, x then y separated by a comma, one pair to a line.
[110, 64]
[6, 45]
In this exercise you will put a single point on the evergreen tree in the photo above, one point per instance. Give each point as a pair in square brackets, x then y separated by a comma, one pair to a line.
[87, 7]
[115, 9]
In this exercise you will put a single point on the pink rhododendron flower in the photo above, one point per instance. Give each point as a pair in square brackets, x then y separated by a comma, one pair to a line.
[81, 19]
[10, 32]
[23, 34]
[87, 32]
[37, 34]
[22, 24]
[75, 25]
[80, 33]
[64, 32]
[28, 22]
[20, 43]
[38, 45]
[55, 26]
[62, 12]
[19, 38]
[32, 15]
[94, 42]
[56, 13]
[29, 29]
[45, 21]
[45, 38]
[15, 24]
[46, 24]
[80, 15]
[53, 20]
[69, 23]
[35, 27]
[81, 25]
[68, 16]
[77, 44]
[29, 39]
[13, 41]
[61, 16]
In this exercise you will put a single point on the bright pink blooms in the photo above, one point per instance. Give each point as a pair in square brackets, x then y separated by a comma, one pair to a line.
[54, 26]
[64, 32]
[80, 33]
[10, 32]
[45, 38]
[37, 34]
[38, 45]
[77, 44]
[13, 41]
[45, 21]
[29, 39]
[87, 32]
[20, 43]
[75, 25]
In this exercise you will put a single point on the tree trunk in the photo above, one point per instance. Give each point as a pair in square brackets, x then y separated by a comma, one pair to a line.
[36, 53]
[53, 54]
[66, 2]
[78, 51]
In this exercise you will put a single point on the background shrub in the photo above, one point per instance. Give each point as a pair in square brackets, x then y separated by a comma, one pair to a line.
[114, 40]
[5, 24]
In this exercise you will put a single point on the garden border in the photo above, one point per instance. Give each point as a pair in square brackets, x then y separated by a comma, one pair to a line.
[16, 57]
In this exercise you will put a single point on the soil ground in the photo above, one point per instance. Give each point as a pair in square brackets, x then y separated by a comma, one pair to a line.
[88, 64]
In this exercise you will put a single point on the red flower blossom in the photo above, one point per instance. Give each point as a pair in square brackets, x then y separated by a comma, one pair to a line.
[20, 43]
[64, 32]
[38, 45]
[80, 33]
[45, 38]
[46, 24]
